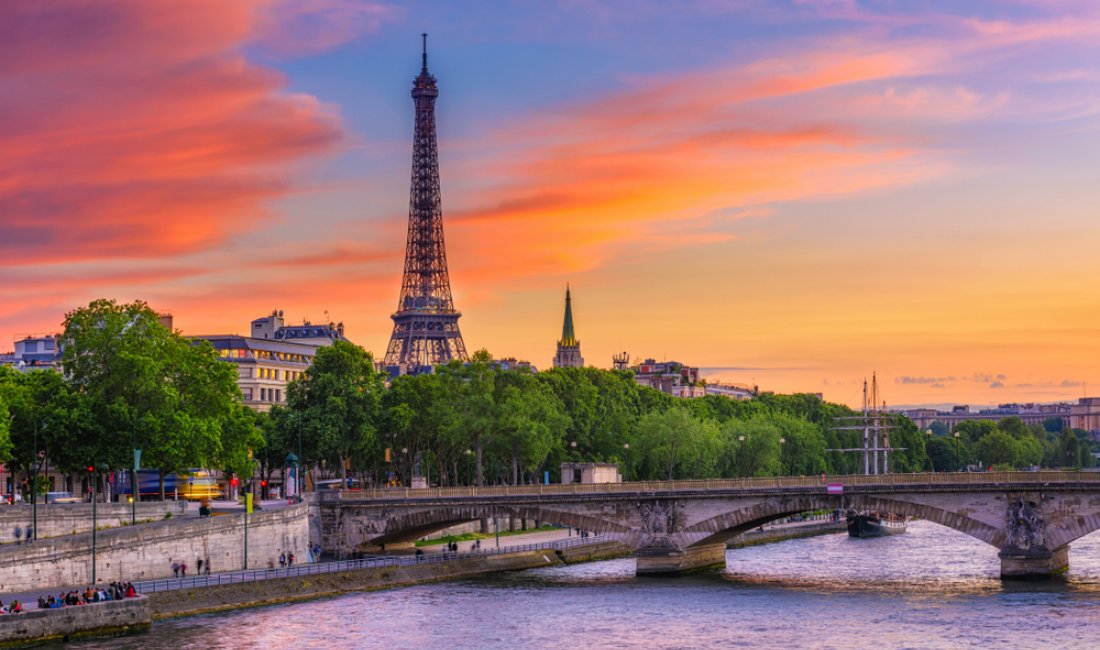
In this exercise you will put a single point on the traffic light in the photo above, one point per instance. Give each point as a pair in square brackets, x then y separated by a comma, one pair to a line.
[234, 482]
[91, 469]
[263, 483]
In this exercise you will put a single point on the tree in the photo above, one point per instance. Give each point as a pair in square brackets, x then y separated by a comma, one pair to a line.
[465, 408]
[751, 447]
[802, 448]
[339, 399]
[1069, 450]
[997, 448]
[529, 420]
[971, 431]
[941, 453]
[1053, 424]
[673, 444]
[148, 386]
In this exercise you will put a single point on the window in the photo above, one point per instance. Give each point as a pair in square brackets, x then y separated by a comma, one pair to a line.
[247, 392]
[263, 394]
[278, 395]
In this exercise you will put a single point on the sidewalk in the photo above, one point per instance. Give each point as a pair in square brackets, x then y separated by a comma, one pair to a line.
[488, 547]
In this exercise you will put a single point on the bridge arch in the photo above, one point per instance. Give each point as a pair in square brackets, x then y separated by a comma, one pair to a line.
[416, 523]
[751, 514]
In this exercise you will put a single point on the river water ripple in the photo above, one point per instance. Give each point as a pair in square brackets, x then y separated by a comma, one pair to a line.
[930, 588]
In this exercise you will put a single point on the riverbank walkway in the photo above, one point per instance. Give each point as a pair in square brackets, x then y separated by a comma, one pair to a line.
[510, 544]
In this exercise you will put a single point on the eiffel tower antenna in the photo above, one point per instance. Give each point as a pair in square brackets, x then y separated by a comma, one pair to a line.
[425, 325]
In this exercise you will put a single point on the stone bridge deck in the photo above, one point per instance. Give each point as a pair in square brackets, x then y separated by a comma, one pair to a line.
[1030, 517]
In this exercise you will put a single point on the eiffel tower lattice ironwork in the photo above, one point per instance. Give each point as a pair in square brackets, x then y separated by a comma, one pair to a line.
[425, 326]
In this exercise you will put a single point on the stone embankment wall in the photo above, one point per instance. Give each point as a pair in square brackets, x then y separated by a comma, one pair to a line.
[780, 533]
[594, 552]
[147, 551]
[97, 619]
[202, 600]
[56, 519]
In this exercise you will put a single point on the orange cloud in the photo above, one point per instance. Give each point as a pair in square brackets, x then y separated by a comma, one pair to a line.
[647, 164]
[137, 128]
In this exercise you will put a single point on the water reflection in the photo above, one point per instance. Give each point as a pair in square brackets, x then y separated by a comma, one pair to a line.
[930, 588]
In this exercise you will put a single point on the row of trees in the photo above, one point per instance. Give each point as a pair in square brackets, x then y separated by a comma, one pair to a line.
[1008, 444]
[130, 382]
[478, 423]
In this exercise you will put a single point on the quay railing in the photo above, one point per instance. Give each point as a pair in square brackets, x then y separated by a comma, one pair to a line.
[945, 479]
[335, 566]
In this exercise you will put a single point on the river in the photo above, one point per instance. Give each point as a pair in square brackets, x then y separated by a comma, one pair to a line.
[929, 588]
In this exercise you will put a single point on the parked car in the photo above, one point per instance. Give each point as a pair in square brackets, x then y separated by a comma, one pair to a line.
[9, 499]
[62, 497]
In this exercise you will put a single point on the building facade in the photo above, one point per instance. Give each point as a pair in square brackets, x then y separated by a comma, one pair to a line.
[670, 377]
[1085, 414]
[1029, 413]
[34, 353]
[569, 348]
[275, 355]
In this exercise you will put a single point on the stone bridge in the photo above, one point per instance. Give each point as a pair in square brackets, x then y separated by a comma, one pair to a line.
[674, 526]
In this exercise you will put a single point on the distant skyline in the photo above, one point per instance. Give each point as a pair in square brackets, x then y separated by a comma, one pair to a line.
[804, 192]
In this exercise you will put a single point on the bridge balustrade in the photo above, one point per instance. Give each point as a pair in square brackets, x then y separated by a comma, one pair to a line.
[852, 480]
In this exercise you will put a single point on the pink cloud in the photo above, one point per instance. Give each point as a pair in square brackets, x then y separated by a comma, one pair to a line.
[137, 128]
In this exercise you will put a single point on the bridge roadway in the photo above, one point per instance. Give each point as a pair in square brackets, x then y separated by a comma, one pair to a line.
[676, 526]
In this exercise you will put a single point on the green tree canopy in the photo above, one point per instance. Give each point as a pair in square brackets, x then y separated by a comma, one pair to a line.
[148, 386]
[338, 399]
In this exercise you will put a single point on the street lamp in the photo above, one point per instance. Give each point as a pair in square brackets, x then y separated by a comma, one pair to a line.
[956, 451]
[928, 432]
[469, 467]
[782, 466]
[626, 458]
[298, 468]
[39, 456]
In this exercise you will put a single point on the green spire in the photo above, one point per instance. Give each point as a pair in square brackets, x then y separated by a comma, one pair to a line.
[568, 338]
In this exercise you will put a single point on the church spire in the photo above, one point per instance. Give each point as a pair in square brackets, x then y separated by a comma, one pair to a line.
[567, 335]
[569, 348]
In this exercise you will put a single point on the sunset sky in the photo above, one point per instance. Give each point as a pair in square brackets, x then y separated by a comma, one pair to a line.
[793, 194]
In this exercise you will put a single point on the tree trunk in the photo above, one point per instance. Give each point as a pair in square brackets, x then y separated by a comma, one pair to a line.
[480, 479]
[515, 470]
[343, 471]
[161, 474]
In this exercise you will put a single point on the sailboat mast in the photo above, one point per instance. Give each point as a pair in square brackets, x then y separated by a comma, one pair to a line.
[866, 434]
[874, 427]
[885, 443]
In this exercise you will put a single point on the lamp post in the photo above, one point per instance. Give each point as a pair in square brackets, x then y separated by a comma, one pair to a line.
[741, 455]
[298, 468]
[626, 459]
[405, 470]
[469, 471]
[956, 451]
[932, 466]
[38, 457]
[782, 465]
[133, 474]
[95, 522]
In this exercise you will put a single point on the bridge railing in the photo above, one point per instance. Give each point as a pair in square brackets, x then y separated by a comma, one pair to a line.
[368, 562]
[927, 478]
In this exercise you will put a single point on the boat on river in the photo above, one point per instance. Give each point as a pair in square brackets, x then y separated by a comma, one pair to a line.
[874, 524]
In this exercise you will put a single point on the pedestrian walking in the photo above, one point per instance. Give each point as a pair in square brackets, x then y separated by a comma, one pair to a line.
[198, 565]
[282, 560]
[207, 566]
[183, 569]
[290, 559]
[176, 569]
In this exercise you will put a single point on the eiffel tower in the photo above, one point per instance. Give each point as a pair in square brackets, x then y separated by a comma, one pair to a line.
[425, 325]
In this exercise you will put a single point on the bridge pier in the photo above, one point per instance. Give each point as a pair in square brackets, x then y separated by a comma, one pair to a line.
[672, 561]
[1033, 563]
